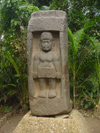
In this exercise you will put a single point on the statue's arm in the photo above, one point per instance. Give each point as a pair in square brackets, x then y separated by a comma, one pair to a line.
[35, 65]
[56, 62]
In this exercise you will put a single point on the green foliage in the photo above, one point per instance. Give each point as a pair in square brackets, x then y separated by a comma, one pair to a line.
[79, 12]
[45, 8]
[5, 109]
[59, 5]
[41, 3]
[84, 67]
[15, 13]
[14, 71]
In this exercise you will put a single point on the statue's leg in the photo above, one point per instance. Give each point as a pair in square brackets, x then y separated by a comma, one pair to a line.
[43, 91]
[52, 88]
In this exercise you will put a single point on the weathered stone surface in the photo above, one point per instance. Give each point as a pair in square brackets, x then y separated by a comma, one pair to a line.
[74, 124]
[48, 76]
[49, 106]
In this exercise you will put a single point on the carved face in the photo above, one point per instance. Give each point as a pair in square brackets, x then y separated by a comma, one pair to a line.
[46, 45]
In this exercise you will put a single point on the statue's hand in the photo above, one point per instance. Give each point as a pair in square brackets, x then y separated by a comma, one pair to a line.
[58, 75]
[34, 74]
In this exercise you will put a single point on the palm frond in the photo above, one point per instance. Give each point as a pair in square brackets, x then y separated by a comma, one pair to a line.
[45, 8]
[9, 57]
[72, 41]
[77, 37]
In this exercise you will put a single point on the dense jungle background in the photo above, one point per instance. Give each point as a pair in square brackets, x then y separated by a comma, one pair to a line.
[84, 50]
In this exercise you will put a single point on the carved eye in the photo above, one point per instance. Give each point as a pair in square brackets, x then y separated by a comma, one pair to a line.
[46, 41]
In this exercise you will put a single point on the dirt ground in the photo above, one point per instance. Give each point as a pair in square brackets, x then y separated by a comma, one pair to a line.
[1, 115]
[94, 124]
[12, 122]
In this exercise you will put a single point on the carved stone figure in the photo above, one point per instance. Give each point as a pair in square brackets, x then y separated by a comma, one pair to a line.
[47, 55]
[47, 66]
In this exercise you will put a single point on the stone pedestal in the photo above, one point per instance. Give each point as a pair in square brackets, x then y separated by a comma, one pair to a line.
[74, 123]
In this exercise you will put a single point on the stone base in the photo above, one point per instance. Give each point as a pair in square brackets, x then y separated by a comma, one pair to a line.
[74, 124]
[47, 107]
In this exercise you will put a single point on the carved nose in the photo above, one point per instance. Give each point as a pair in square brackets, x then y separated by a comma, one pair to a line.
[46, 43]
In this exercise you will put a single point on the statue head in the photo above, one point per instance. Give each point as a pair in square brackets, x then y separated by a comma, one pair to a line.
[46, 41]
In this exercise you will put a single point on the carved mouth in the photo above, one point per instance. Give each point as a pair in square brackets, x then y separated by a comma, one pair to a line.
[46, 49]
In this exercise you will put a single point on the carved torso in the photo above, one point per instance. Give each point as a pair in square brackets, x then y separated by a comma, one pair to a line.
[46, 59]
[46, 67]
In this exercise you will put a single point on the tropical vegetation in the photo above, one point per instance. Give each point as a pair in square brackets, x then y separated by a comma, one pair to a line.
[84, 50]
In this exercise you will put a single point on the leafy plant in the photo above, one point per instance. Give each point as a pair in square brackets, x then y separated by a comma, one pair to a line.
[75, 42]
[14, 15]
[6, 109]
[80, 59]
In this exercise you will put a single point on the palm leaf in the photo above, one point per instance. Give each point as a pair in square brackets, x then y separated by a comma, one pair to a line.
[77, 38]
[45, 8]
[72, 41]
[9, 57]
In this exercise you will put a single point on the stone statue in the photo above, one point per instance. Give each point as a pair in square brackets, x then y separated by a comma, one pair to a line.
[47, 66]
[47, 56]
